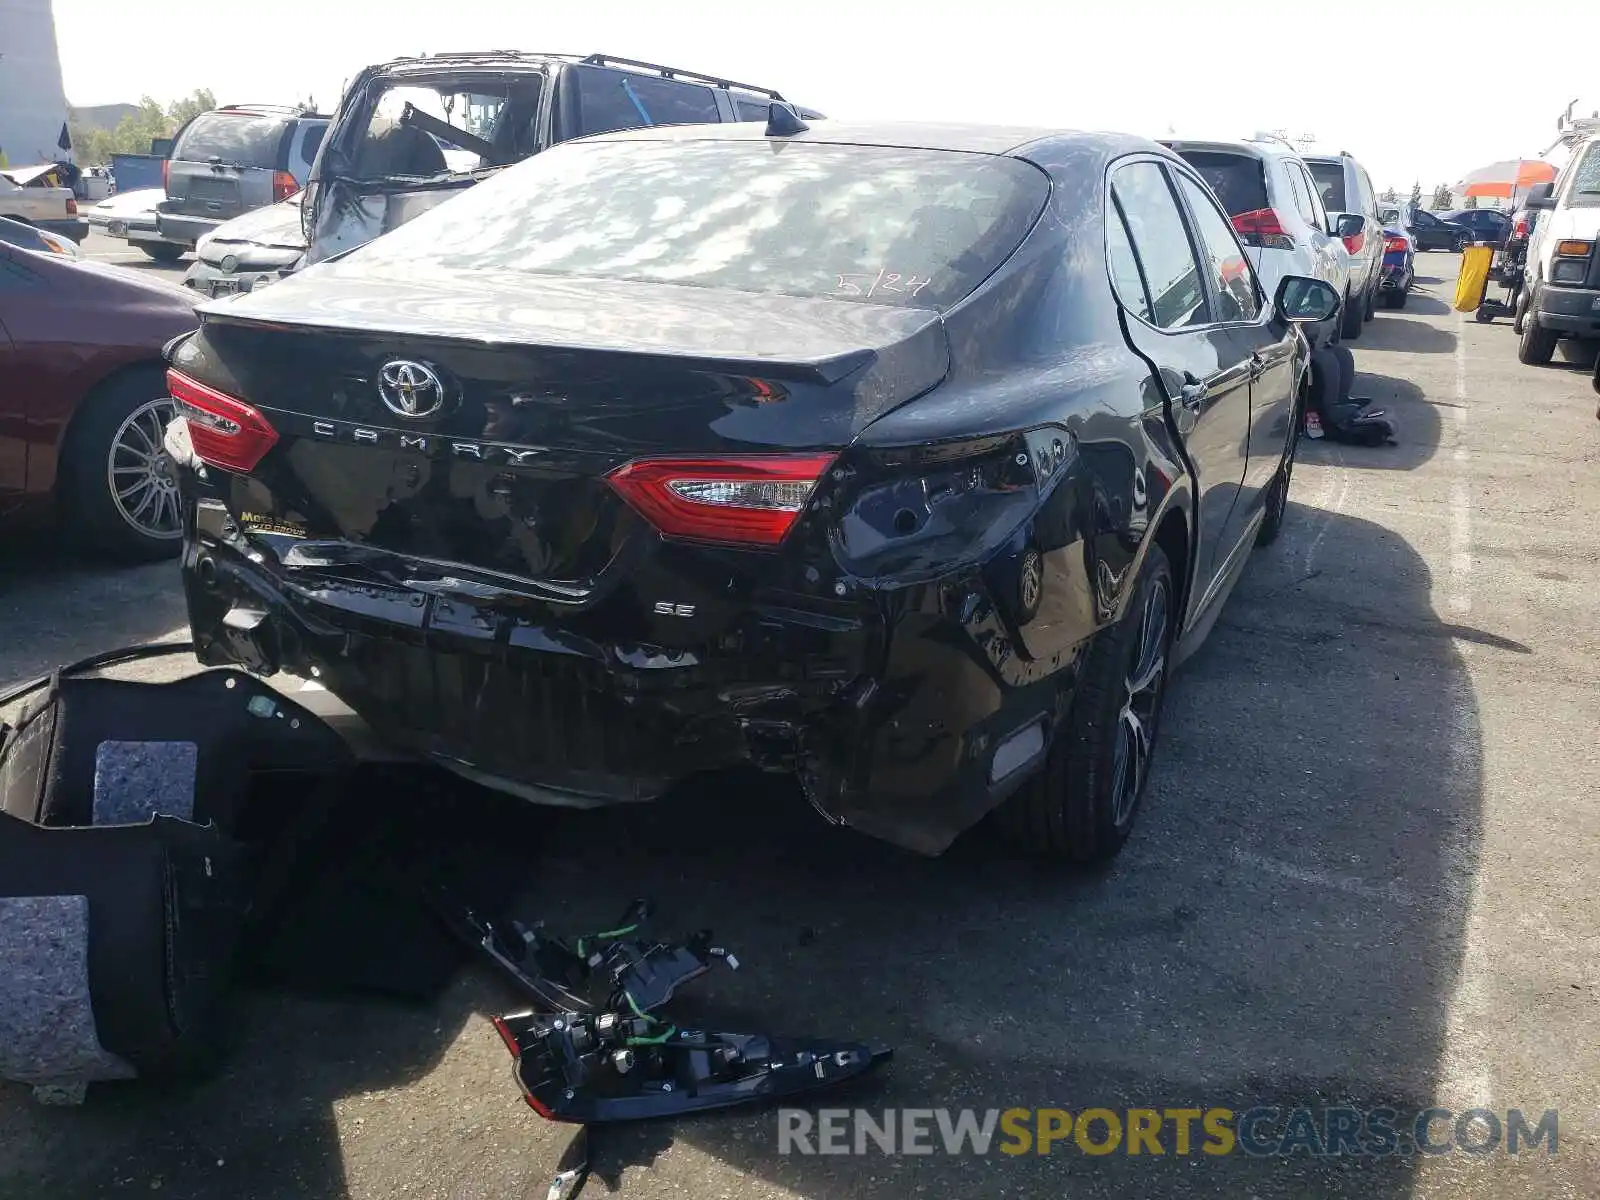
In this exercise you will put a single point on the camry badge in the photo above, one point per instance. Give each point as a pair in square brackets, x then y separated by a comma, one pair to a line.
[410, 389]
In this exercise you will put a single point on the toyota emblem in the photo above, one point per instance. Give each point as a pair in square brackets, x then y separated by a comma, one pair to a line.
[410, 389]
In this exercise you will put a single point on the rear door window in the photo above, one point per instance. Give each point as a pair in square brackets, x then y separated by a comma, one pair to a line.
[1300, 193]
[235, 139]
[1330, 184]
[305, 151]
[1231, 277]
[1237, 179]
[1177, 297]
[1126, 277]
[611, 100]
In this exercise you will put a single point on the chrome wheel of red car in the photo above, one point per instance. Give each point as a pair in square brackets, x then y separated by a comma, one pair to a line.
[139, 473]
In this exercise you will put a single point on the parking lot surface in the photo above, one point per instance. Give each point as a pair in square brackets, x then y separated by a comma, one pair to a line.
[1364, 875]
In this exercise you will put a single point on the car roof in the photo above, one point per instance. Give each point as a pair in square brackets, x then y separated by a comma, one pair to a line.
[909, 135]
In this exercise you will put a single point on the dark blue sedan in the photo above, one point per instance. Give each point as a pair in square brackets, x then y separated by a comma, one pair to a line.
[1399, 254]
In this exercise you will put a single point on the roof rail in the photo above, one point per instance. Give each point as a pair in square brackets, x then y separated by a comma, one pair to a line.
[611, 60]
[262, 108]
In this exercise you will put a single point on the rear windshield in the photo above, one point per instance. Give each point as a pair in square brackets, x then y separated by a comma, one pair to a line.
[871, 224]
[238, 140]
[1235, 178]
[1330, 182]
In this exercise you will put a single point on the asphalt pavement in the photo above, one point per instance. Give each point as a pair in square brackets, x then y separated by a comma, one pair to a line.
[1364, 875]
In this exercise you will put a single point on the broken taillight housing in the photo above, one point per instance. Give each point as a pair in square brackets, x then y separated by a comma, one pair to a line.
[752, 500]
[224, 431]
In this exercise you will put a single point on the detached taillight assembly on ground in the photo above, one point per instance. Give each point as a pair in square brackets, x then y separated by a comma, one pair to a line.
[752, 501]
[1261, 227]
[224, 431]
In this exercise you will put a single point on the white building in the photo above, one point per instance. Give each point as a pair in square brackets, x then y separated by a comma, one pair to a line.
[33, 106]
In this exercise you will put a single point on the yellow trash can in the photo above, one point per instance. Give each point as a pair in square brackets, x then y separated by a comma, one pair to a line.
[1474, 278]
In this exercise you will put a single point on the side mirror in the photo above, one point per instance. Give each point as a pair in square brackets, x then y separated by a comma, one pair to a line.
[1349, 225]
[1301, 299]
[1542, 196]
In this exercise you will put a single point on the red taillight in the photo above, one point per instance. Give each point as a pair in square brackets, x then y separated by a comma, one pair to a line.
[224, 432]
[1520, 229]
[753, 501]
[1393, 244]
[72, 206]
[1354, 242]
[283, 185]
[166, 167]
[1261, 227]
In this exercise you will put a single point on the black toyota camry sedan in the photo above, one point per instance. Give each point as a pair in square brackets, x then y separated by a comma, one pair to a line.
[906, 460]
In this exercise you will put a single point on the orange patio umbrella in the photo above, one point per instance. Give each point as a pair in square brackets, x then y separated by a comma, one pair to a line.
[1506, 179]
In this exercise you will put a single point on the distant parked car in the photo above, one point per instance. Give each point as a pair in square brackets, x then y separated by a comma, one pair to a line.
[249, 252]
[1488, 225]
[1431, 232]
[132, 217]
[1399, 262]
[1347, 190]
[82, 417]
[29, 237]
[1277, 213]
[27, 195]
[231, 160]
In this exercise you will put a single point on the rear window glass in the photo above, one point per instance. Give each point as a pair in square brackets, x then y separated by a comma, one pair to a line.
[238, 140]
[1330, 182]
[1235, 178]
[869, 224]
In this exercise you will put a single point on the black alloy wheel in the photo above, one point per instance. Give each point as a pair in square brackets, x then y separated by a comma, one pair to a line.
[1083, 804]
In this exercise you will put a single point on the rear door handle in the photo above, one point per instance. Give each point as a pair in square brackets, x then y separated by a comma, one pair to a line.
[1193, 394]
[1257, 365]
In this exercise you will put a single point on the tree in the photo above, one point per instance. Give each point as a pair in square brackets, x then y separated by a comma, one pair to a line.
[1441, 198]
[1416, 194]
[1390, 196]
[134, 133]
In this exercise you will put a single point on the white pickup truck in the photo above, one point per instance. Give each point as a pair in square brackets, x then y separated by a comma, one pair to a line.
[26, 195]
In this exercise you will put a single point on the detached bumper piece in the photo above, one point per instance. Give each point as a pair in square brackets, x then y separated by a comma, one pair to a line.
[594, 1068]
[590, 1060]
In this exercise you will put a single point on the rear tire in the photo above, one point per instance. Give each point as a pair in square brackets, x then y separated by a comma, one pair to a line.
[1083, 804]
[1370, 308]
[109, 449]
[1350, 322]
[1538, 344]
[1461, 243]
[164, 252]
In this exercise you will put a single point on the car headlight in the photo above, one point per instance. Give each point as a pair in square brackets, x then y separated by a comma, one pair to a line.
[1569, 270]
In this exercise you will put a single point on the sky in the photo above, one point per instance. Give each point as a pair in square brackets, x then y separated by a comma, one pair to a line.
[1417, 91]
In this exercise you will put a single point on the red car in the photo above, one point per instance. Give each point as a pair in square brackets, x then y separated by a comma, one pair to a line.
[83, 401]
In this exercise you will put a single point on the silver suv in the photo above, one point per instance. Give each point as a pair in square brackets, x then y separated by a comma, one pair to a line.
[1347, 190]
[233, 160]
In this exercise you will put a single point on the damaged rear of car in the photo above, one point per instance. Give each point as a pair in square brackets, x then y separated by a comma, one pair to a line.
[822, 454]
[413, 132]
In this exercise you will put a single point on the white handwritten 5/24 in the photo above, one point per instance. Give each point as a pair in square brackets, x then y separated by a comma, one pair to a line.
[866, 284]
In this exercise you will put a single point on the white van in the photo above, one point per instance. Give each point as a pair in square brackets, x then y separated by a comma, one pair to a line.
[1563, 273]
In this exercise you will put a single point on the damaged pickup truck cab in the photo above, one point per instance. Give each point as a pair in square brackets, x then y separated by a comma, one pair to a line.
[411, 133]
[902, 459]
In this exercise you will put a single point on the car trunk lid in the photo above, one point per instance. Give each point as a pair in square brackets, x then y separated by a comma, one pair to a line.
[505, 477]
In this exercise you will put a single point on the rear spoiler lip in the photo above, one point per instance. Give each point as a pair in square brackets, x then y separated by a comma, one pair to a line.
[826, 370]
